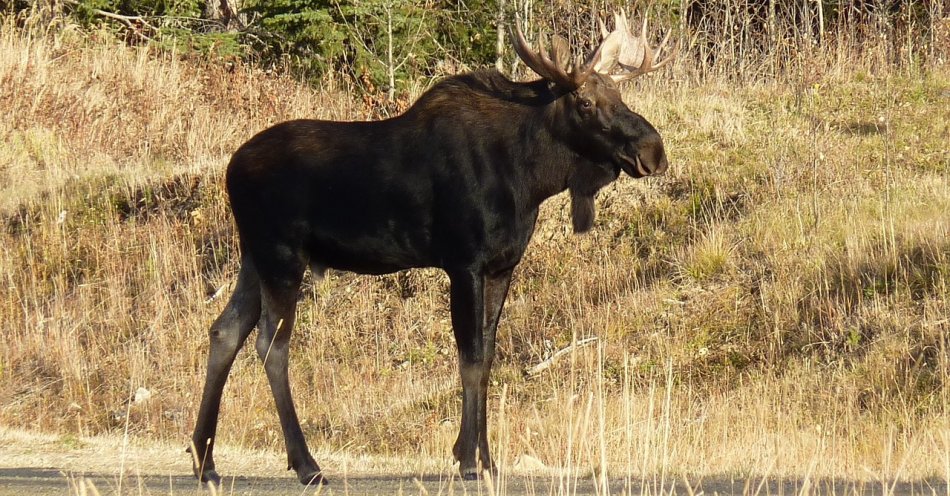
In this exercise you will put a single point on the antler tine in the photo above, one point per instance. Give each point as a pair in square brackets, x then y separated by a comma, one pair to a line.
[671, 57]
[648, 61]
[609, 47]
[663, 43]
[560, 52]
[584, 71]
[539, 62]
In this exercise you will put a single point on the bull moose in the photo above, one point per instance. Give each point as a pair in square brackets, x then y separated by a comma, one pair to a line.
[454, 183]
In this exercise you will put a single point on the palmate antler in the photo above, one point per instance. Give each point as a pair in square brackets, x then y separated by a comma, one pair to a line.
[552, 67]
[625, 56]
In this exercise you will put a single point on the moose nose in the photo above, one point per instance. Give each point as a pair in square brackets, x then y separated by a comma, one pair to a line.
[653, 156]
[662, 165]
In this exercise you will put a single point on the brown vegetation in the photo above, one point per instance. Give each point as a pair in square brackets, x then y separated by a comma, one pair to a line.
[777, 304]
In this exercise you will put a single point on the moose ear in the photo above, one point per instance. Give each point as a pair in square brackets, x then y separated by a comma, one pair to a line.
[582, 212]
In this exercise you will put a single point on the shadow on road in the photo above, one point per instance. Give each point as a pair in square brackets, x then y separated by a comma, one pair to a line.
[46, 481]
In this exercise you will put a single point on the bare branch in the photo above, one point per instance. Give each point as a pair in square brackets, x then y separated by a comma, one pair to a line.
[544, 365]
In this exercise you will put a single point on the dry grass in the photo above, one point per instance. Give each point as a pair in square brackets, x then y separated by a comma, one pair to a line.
[777, 305]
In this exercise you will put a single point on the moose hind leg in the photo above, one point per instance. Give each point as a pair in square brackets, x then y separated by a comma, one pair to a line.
[279, 302]
[227, 336]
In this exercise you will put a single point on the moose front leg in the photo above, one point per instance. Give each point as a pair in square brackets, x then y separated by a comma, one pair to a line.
[476, 302]
[495, 291]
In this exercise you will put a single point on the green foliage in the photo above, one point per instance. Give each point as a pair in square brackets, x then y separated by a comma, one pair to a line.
[384, 43]
[174, 25]
[468, 30]
[374, 39]
[389, 36]
[85, 9]
[380, 43]
[221, 45]
[307, 30]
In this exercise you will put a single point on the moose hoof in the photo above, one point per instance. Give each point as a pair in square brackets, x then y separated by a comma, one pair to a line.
[479, 472]
[312, 478]
[473, 473]
[209, 476]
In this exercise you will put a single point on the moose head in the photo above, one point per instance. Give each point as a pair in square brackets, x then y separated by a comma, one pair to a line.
[593, 118]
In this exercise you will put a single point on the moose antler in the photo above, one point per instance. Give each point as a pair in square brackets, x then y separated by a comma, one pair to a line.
[630, 54]
[552, 68]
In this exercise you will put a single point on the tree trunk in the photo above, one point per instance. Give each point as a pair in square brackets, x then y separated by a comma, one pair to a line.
[500, 44]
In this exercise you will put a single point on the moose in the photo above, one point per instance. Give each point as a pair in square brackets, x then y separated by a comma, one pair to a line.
[453, 183]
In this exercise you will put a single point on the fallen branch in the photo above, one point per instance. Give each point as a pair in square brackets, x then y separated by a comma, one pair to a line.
[544, 365]
[136, 24]
[216, 294]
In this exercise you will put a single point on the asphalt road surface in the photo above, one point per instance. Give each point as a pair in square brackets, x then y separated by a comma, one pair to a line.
[41, 465]
[52, 481]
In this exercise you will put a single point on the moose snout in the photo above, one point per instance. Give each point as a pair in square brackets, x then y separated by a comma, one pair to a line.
[651, 157]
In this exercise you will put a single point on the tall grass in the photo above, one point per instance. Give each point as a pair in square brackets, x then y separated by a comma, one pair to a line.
[776, 305]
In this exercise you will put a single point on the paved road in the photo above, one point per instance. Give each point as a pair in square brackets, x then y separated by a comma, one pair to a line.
[38, 465]
[51, 481]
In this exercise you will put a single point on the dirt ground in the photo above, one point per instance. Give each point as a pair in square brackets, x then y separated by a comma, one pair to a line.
[41, 465]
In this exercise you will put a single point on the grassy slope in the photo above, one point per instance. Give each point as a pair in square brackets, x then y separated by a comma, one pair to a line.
[778, 303]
